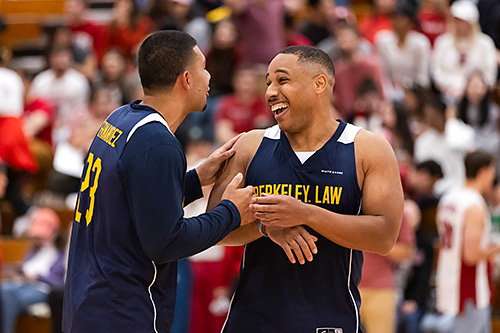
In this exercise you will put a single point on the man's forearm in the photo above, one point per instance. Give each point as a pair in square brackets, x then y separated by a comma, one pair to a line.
[243, 235]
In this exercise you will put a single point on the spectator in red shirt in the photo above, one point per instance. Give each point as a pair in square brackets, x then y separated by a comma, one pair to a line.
[432, 18]
[127, 28]
[86, 33]
[38, 121]
[378, 20]
[244, 110]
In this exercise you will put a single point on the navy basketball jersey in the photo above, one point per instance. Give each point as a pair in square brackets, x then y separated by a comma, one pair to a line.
[274, 295]
[129, 230]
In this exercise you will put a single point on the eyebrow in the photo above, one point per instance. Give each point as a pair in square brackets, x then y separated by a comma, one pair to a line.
[278, 71]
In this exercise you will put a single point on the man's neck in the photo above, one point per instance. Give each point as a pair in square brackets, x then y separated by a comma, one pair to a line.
[170, 107]
[314, 137]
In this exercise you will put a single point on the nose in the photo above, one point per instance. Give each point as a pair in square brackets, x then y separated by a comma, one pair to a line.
[271, 92]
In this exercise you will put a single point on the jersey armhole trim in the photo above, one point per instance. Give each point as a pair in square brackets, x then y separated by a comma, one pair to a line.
[348, 134]
[148, 119]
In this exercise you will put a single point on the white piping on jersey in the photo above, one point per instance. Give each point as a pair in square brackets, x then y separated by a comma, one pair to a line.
[348, 134]
[151, 297]
[350, 293]
[148, 119]
[232, 298]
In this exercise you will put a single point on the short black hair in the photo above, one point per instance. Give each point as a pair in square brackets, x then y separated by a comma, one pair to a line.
[475, 161]
[163, 56]
[432, 167]
[311, 55]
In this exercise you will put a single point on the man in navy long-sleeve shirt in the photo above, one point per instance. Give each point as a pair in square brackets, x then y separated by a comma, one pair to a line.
[129, 229]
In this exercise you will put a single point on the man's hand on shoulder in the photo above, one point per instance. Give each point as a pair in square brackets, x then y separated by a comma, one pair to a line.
[210, 169]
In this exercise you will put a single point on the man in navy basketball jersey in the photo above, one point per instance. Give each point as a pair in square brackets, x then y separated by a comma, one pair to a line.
[128, 230]
[326, 190]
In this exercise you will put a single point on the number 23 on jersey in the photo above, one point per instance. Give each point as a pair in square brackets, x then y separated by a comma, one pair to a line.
[93, 171]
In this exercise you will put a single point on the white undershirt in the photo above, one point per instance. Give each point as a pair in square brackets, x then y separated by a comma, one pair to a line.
[304, 155]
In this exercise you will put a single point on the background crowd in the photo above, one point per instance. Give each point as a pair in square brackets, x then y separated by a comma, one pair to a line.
[422, 73]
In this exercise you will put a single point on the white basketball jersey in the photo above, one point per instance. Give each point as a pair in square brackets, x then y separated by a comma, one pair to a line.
[457, 282]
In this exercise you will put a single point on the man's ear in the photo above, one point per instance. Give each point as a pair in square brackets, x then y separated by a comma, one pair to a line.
[186, 80]
[320, 83]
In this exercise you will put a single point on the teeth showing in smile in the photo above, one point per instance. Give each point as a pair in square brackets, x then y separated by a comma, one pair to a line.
[278, 108]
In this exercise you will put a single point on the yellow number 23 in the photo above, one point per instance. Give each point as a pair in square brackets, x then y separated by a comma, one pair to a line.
[93, 167]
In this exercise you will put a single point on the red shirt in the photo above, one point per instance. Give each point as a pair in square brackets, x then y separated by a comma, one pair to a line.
[432, 24]
[125, 39]
[349, 76]
[96, 32]
[14, 149]
[369, 26]
[242, 116]
[378, 270]
[44, 105]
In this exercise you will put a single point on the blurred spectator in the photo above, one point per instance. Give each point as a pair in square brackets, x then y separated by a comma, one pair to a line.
[396, 129]
[413, 101]
[404, 53]
[128, 27]
[38, 120]
[432, 18]
[42, 269]
[316, 26]
[16, 153]
[292, 35]
[445, 141]
[378, 287]
[462, 282]
[489, 19]
[69, 155]
[462, 50]
[11, 88]
[352, 70]
[84, 59]
[85, 33]
[244, 110]
[260, 26]
[215, 273]
[181, 16]
[113, 75]
[416, 295]
[65, 87]
[367, 107]
[478, 110]
[378, 20]
[343, 17]
[222, 57]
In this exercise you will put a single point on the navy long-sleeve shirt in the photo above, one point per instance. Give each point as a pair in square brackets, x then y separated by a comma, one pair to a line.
[129, 228]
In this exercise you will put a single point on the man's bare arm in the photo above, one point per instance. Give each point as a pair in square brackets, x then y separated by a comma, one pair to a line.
[245, 149]
[473, 231]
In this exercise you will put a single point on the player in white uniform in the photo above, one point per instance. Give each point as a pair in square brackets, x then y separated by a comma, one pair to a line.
[464, 227]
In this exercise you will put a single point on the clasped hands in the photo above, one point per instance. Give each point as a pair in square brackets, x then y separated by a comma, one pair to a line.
[282, 217]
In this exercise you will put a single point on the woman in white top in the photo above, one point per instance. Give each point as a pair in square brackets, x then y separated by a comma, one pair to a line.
[462, 50]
